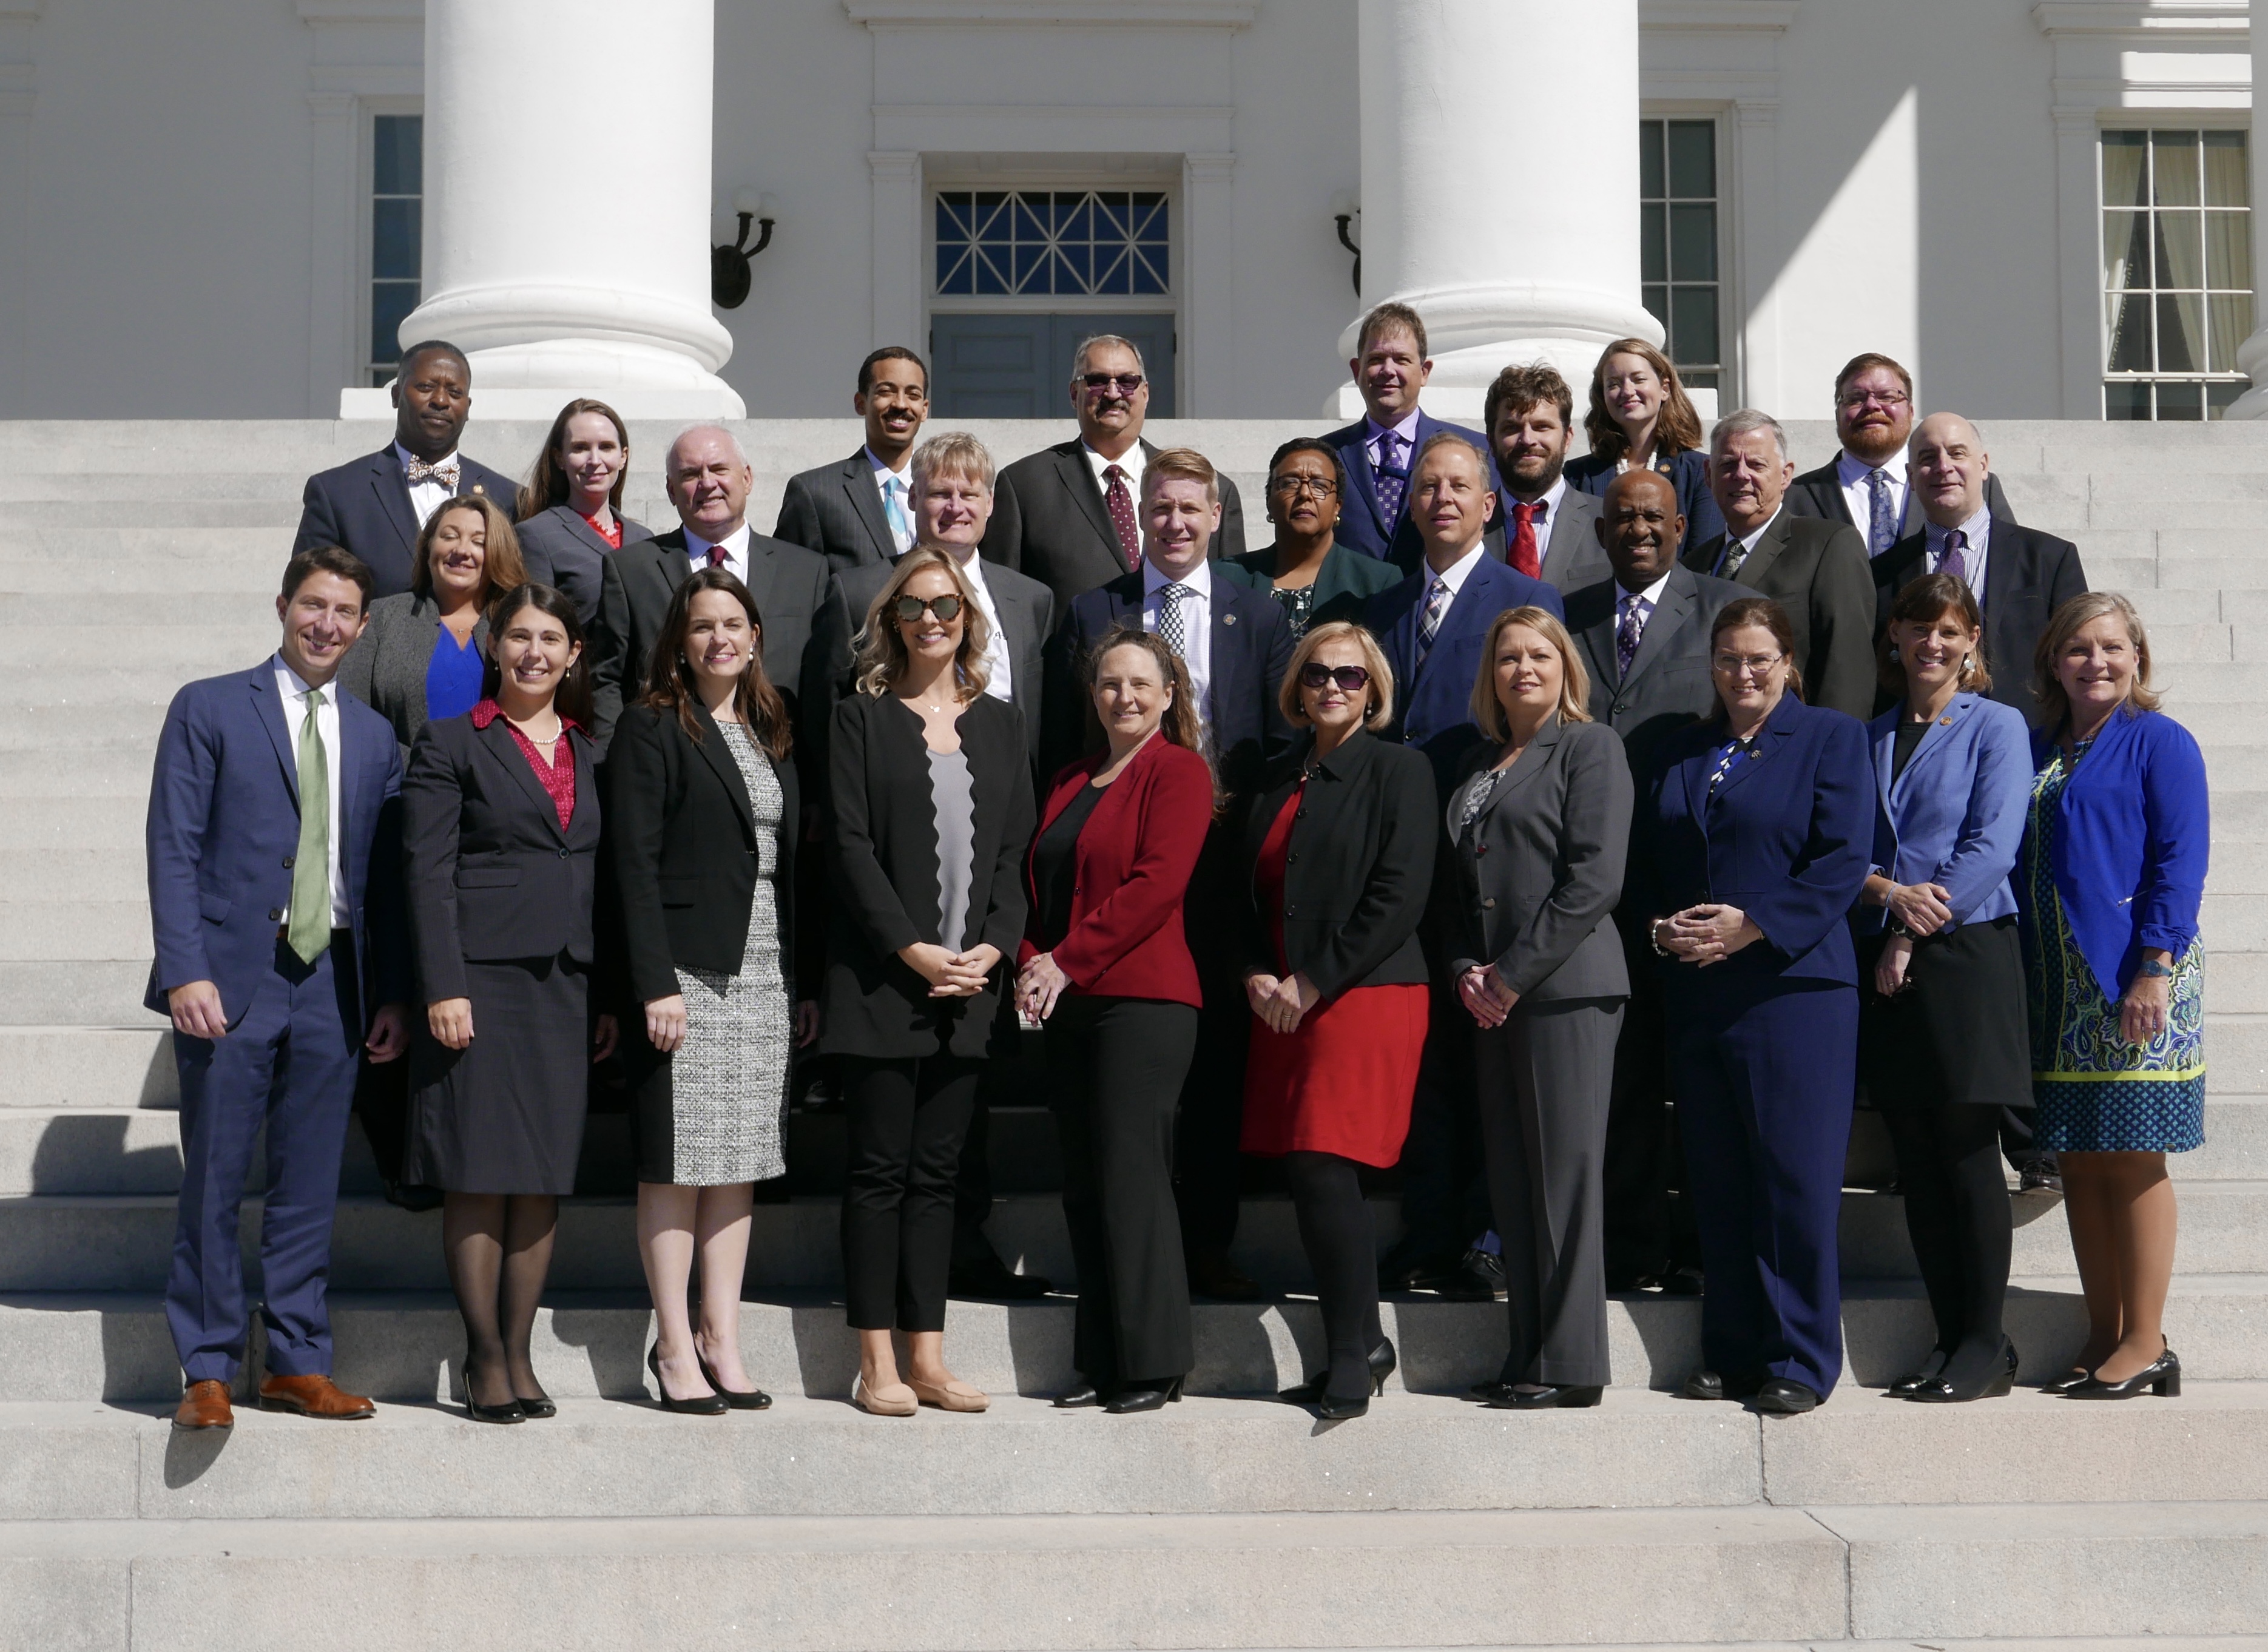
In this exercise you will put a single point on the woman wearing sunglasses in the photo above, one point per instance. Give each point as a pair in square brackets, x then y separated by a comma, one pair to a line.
[1339, 849]
[933, 808]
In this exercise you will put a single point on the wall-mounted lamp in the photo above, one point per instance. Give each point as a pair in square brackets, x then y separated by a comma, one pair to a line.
[728, 265]
[1345, 210]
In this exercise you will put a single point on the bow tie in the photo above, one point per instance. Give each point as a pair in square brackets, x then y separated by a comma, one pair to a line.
[445, 473]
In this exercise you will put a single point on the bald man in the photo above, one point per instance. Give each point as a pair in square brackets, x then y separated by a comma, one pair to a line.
[2019, 575]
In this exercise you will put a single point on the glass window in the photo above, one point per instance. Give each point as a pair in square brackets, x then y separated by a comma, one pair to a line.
[1052, 243]
[397, 185]
[1677, 242]
[2177, 272]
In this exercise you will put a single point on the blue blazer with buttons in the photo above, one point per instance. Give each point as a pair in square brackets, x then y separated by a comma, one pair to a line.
[1785, 837]
[224, 827]
[1955, 817]
[1360, 527]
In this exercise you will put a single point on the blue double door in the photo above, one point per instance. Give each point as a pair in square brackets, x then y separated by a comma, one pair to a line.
[1018, 365]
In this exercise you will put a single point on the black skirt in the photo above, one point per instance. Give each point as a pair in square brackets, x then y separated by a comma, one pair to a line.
[505, 1114]
[1957, 1032]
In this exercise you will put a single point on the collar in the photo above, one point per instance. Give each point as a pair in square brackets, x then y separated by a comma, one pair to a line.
[1551, 500]
[1747, 542]
[736, 542]
[972, 566]
[1458, 571]
[1371, 429]
[1132, 461]
[1651, 596]
[402, 457]
[904, 473]
[293, 685]
[1977, 527]
[1199, 579]
[1853, 472]
[1335, 764]
[488, 711]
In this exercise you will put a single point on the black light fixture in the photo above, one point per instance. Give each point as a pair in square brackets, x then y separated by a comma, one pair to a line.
[1345, 210]
[729, 274]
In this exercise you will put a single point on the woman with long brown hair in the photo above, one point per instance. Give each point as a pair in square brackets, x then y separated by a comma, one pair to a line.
[1640, 418]
[702, 816]
[571, 509]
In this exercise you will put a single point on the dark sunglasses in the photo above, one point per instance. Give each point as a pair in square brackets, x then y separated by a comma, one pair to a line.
[1352, 680]
[947, 609]
[1127, 383]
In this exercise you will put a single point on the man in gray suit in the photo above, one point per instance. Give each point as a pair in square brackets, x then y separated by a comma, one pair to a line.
[860, 513]
[1643, 635]
[1548, 526]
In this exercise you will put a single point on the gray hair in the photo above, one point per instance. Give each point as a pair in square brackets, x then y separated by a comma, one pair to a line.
[731, 440]
[1087, 344]
[1740, 423]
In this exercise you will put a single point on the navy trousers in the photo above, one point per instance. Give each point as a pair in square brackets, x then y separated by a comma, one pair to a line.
[1764, 1071]
[289, 1063]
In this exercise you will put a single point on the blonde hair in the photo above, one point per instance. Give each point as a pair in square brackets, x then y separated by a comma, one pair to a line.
[954, 453]
[1574, 682]
[2067, 622]
[1182, 464]
[1293, 705]
[883, 658]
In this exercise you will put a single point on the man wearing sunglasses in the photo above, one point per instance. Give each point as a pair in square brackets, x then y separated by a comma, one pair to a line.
[1070, 516]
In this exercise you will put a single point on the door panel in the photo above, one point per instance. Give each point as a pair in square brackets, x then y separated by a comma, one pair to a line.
[1017, 365]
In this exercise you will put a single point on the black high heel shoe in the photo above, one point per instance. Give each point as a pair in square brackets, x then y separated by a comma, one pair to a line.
[2070, 1379]
[1151, 1396]
[541, 1405]
[1548, 1397]
[738, 1398]
[1939, 1390]
[511, 1411]
[2163, 1377]
[1927, 1371]
[705, 1406]
[1383, 1363]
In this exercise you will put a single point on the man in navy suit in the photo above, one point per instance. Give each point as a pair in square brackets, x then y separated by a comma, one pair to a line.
[1431, 626]
[1237, 645]
[274, 852]
[1389, 368]
[375, 506]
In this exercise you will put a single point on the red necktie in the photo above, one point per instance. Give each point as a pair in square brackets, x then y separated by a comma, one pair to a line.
[1522, 553]
[1121, 505]
[715, 556]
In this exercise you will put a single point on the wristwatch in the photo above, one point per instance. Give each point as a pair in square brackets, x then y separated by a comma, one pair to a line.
[2152, 968]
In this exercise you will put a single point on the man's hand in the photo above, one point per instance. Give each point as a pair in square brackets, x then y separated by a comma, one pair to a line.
[389, 1033]
[195, 1008]
[451, 1022]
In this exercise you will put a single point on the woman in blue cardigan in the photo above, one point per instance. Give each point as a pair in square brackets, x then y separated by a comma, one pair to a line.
[2111, 877]
[1941, 1032]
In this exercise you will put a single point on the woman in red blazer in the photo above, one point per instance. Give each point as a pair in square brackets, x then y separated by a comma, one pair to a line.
[1104, 965]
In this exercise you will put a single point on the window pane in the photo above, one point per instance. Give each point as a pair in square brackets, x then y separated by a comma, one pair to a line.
[390, 305]
[2131, 334]
[2174, 168]
[1649, 160]
[1653, 242]
[397, 142]
[2181, 332]
[2218, 398]
[1693, 325]
[2181, 401]
[393, 245]
[2230, 316]
[2228, 250]
[2123, 177]
[1656, 300]
[2125, 250]
[2126, 400]
[2227, 183]
[1699, 379]
[1692, 160]
[1693, 242]
[2180, 249]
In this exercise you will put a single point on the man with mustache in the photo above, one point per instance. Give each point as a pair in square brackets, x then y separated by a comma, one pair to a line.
[1864, 485]
[862, 512]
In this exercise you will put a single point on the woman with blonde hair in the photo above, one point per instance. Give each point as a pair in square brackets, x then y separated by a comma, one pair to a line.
[1338, 851]
[1640, 418]
[932, 799]
[1541, 825]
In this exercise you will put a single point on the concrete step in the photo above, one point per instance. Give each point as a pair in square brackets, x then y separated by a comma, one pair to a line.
[102, 1068]
[70, 511]
[97, 994]
[119, 773]
[128, 728]
[165, 646]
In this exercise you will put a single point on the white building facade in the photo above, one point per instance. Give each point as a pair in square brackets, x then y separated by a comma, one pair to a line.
[229, 208]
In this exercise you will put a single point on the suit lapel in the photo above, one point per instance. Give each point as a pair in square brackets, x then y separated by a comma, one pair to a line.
[1676, 607]
[763, 572]
[1996, 562]
[583, 531]
[1934, 739]
[1079, 482]
[1770, 740]
[1530, 763]
[1767, 552]
[720, 762]
[1833, 499]
[866, 502]
[268, 705]
[496, 740]
[391, 484]
[1355, 456]
[1227, 657]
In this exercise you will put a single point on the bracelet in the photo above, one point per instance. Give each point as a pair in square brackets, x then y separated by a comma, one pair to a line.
[1653, 938]
[1897, 926]
[2154, 969]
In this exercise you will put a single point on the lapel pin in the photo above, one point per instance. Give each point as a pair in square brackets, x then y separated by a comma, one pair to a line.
[1229, 619]
[478, 489]
[1944, 723]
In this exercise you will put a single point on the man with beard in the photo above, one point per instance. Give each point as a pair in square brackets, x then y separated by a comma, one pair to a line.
[1547, 533]
[1865, 484]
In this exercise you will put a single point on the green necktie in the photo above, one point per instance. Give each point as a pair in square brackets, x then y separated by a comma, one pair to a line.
[310, 930]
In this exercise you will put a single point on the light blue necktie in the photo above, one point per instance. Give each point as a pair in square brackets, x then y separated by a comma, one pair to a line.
[894, 507]
[1881, 526]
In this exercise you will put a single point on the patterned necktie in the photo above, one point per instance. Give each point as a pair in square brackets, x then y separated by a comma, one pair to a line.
[893, 508]
[1429, 623]
[445, 473]
[1629, 634]
[1120, 502]
[1954, 560]
[1523, 552]
[1170, 627]
[309, 930]
[1735, 554]
[1881, 526]
[1390, 480]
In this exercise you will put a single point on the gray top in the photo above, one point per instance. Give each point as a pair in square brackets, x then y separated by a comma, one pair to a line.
[955, 800]
[385, 668]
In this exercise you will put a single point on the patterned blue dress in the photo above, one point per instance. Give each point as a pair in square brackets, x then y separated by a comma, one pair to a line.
[2094, 1092]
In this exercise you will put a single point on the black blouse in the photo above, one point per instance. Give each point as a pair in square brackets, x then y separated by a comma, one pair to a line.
[1055, 861]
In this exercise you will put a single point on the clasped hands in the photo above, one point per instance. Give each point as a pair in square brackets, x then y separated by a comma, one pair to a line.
[1485, 996]
[952, 974]
[1281, 1001]
[1705, 935]
[1922, 909]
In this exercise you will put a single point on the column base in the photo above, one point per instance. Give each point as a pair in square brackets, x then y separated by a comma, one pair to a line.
[533, 380]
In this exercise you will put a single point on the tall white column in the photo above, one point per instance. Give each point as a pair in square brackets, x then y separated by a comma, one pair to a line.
[1500, 183]
[2252, 355]
[568, 204]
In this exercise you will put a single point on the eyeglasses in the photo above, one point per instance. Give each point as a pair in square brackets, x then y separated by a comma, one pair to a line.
[1744, 665]
[947, 609]
[1352, 680]
[1851, 400]
[1127, 383]
[1292, 487]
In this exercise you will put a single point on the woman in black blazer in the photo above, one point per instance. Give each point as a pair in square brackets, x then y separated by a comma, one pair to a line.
[570, 511]
[931, 796]
[500, 832]
[1339, 854]
[702, 822]
[1541, 825]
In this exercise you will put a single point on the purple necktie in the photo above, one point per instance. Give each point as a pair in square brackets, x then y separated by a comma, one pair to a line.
[1954, 560]
[1429, 623]
[1392, 478]
[1628, 634]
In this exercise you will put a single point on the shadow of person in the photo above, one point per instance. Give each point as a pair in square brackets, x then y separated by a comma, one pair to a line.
[190, 1452]
[87, 1153]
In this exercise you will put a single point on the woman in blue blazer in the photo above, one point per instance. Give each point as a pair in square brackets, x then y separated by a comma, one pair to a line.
[2111, 877]
[1941, 1027]
[1751, 848]
[1641, 419]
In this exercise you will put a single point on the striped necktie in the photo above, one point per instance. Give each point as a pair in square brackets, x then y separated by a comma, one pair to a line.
[1429, 623]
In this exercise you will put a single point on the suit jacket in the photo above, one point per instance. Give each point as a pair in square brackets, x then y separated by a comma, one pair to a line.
[806, 632]
[1540, 869]
[1251, 645]
[1669, 686]
[1817, 572]
[1358, 870]
[1049, 522]
[1572, 555]
[1956, 816]
[882, 852]
[1028, 615]
[223, 828]
[1362, 529]
[1785, 837]
[1131, 869]
[563, 550]
[2028, 576]
[364, 506]
[1819, 493]
[385, 668]
[837, 511]
[681, 846]
[1432, 701]
[1344, 584]
[491, 875]
[1688, 471]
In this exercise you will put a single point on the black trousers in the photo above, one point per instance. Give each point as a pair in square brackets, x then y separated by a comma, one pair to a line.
[381, 1101]
[907, 1119]
[1209, 1167]
[1444, 1202]
[1115, 1072]
[1640, 1157]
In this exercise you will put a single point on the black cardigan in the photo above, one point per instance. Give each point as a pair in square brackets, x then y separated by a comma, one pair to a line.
[682, 844]
[1358, 870]
[882, 854]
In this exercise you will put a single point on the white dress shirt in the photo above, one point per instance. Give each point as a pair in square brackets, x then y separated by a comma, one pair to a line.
[999, 682]
[1976, 549]
[1644, 599]
[903, 479]
[1858, 498]
[1133, 461]
[1748, 544]
[426, 497]
[292, 690]
[1455, 575]
[1197, 624]
[735, 547]
[1547, 514]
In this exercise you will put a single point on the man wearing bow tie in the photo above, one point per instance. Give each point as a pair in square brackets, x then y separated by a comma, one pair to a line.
[375, 506]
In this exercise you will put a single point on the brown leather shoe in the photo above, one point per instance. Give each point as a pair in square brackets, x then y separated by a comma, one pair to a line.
[205, 1406]
[315, 1396]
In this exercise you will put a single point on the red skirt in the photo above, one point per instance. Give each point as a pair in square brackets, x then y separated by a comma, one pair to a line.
[1341, 1084]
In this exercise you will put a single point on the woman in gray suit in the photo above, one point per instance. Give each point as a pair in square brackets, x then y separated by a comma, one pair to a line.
[1541, 825]
[570, 512]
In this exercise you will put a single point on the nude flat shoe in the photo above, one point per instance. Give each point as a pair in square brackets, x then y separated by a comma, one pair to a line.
[899, 1402]
[954, 1396]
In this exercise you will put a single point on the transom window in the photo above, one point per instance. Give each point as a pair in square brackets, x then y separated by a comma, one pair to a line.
[397, 204]
[1677, 218]
[2177, 272]
[1052, 243]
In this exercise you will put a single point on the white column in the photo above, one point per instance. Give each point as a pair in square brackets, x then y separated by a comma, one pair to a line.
[2252, 355]
[568, 204]
[897, 244]
[1543, 268]
[1207, 353]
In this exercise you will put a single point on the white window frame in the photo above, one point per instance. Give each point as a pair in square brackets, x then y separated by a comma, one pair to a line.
[368, 111]
[1729, 337]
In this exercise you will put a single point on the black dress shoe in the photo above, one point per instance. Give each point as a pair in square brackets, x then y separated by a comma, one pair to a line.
[1926, 1372]
[1212, 1275]
[700, 1406]
[990, 1280]
[1999, 1377]
[1782, 1397]
[1552, 1396]
[1339, 1408]
[2070, 1379]
[736, 1398]
[1383, 1361]
[1079, 1395]
[1403, 1271]
[1151, 1395]
[541, 1405]
[2161, 1376]
[510, 1411]
[413, 1196]
[1707, 1384]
